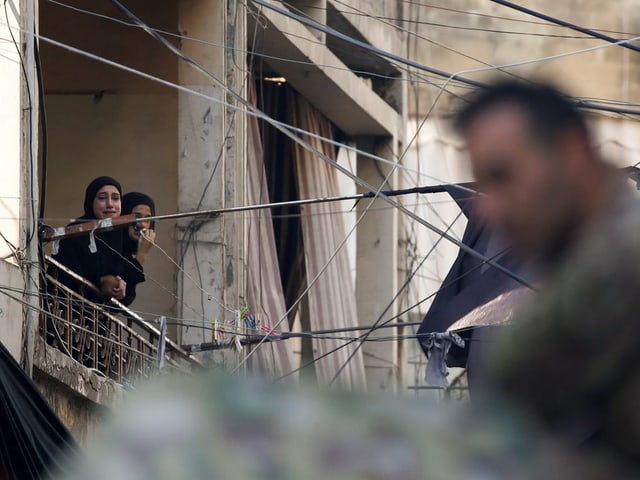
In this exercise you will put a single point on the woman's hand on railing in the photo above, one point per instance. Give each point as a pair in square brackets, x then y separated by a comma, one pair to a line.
[112, 286]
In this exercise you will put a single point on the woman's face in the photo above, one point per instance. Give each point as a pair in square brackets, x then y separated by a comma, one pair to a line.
[106, 203]
[140, 211]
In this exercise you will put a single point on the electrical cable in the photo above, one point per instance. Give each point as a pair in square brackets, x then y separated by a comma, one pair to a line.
[215, 100]
[415, 217]
[166, 289]
[393, 300]
[254, 53]
[239, 98]
[44, 134]
[376, 58]
[583, 104]
[374, 327]
[451, 76]
[500, 17]
[396, 316]
[572, 26]
[56, 317]
[433, 42]
[318, 153]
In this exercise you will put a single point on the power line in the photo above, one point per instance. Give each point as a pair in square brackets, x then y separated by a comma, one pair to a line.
[285, 129]
[330, 161]
[450, 76]
[581, 102]
[392, 318]
[433, 42]
[564, 23]
[215, 100]
[395, 297]
[415, 77]
[377, 325]
[500, 17]
[364, 72]
[392, 56]
[95, 226]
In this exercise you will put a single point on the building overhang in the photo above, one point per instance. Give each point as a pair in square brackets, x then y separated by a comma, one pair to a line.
[291, 50]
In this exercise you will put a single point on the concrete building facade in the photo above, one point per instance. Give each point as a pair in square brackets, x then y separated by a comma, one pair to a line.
[184, 121]
[174, 120]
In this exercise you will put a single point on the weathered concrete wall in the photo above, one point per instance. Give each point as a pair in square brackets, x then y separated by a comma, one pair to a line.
[375, 21]
[10, 309]
[10, 136]
[15, 188]
[458, 35]
[81, 398]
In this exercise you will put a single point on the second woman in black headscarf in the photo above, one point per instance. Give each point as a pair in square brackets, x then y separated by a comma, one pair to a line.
[137, 240]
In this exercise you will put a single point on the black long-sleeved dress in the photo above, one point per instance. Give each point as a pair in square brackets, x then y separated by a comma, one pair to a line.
[75, 254]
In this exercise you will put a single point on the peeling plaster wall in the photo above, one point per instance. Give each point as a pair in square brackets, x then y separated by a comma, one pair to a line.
[81, 398]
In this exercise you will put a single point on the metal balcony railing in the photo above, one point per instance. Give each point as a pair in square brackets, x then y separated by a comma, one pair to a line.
[108, 337]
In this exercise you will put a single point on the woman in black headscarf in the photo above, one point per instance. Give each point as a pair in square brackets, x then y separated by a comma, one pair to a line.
[98, 258]
[137, 240]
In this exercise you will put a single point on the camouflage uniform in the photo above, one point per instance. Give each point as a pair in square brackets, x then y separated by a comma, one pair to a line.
[572, 359]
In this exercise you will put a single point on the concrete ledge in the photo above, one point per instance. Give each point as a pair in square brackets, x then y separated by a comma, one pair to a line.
[74, 376]
[80, 398]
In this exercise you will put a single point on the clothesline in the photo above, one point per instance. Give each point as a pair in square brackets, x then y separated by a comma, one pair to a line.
[254, 338]
[48, 233]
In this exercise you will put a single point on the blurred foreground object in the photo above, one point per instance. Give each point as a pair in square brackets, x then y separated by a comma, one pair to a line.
[34, 443]
[499, 311]
[205, 428]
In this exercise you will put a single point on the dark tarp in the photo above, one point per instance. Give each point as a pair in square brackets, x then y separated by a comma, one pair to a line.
[470, 283]
[33, 441]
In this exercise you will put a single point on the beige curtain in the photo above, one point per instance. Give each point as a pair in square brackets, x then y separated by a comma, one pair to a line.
[264, 288]
[331, 299]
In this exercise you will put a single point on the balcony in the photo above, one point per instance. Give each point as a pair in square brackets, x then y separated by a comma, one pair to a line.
[109, 339]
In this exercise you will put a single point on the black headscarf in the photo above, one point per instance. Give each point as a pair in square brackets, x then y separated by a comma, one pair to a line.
[92, 191]
[134, 272]
[74, 251]
[129, 202]
[131, 199]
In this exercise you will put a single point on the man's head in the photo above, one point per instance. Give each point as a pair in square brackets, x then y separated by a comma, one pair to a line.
[530, 153]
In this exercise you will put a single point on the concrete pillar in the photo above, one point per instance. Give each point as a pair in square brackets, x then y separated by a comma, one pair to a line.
[29, 185]
[210, 167]
[376, 267]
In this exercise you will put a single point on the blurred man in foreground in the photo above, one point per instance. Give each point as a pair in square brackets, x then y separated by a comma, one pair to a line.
[571, 359]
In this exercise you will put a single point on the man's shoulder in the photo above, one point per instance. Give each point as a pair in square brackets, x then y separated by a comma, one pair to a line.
[615, 235]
